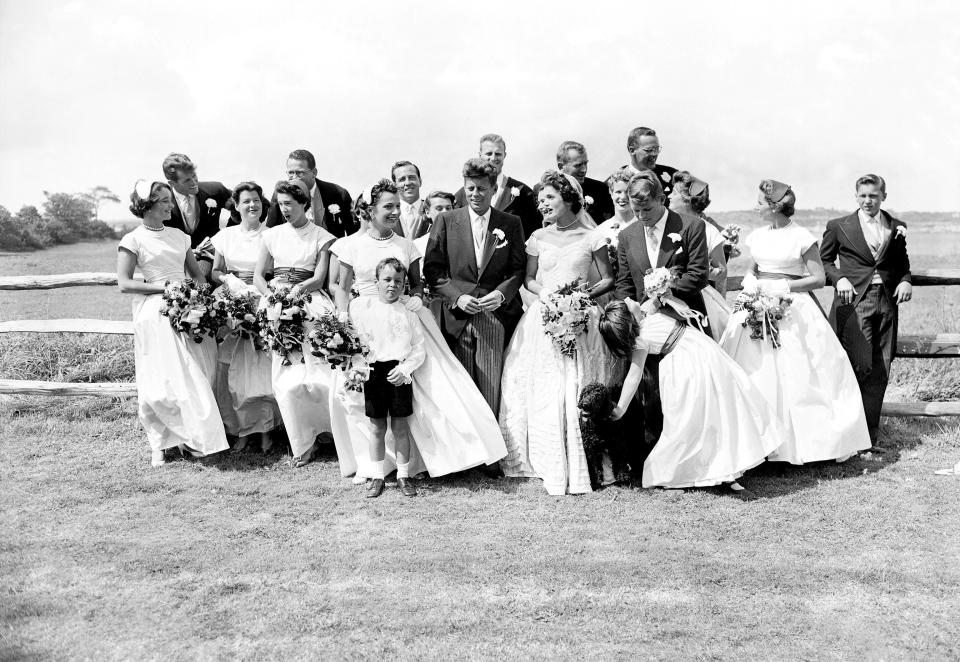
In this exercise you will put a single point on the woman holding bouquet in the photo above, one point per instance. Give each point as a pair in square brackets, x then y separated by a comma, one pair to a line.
[716, 424]
[452, 427]
[176, 405]
[244, 384]
[540, 385]
[297, 252]
[804, 373]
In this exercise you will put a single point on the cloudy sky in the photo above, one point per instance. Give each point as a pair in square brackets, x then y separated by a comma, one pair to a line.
[811, 93]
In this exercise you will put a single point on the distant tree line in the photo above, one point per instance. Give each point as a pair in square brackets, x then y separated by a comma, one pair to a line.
[66, 219]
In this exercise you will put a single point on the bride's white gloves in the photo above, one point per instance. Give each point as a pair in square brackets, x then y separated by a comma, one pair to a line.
[750, 284]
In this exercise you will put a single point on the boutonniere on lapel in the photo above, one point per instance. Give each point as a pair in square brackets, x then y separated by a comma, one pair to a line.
[675, 236]
[587, 200]
[500, 237]
[333, 209]
[901, 231]
[515, 191]
[211, 205]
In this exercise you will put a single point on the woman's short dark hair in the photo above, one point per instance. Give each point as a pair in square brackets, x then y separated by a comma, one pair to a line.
[681, 186]
[139, 206]
[393, 263]
[787, 205]
[295, 192]
[619, 328]
[362, 206]
[559, 182]
[253, 187]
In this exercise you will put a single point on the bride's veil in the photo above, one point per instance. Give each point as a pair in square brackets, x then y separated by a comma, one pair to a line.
[585, 219]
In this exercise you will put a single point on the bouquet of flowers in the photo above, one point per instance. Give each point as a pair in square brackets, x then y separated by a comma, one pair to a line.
[731, 236]
[612, 244]
[657, 282]
[336, 341]
[192, 310]
[565, 314]
[763, 313]
[282, 321]
[242, 318]
[357, 374]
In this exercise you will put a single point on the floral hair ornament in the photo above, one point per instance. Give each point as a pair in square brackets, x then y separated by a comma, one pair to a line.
[143, 188]
[367, 195]
[773, 190]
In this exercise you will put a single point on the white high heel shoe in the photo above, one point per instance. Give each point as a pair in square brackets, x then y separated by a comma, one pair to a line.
[157, 459]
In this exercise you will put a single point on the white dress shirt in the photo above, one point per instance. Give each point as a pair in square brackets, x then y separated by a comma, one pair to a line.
[188, 210]
[408, 217]
[478, 228]
[313, 213]
[653, 247]
[875, 231]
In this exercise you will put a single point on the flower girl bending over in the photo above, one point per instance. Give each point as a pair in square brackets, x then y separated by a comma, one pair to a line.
[396, 350]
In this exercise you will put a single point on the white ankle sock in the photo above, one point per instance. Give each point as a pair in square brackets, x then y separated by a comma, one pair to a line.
[378, 470]
[403, 470]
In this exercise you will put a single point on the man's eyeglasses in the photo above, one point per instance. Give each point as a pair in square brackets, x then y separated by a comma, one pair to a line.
[651, 150]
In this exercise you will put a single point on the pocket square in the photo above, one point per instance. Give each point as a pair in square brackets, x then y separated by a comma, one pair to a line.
[678, 251]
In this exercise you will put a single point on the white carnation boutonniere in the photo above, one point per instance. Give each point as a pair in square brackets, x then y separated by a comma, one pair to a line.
[665, 177]
[901, 231]
[211, 204]
[587, 200]
[500, 237]
[675, 236]
[333, 209]
[515, 191]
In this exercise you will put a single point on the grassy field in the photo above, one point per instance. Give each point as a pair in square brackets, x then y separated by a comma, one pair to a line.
[241, 557]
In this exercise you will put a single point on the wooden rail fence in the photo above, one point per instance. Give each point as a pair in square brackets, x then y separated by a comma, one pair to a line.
[923, 346]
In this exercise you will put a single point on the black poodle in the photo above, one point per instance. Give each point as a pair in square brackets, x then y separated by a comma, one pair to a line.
[599, 433]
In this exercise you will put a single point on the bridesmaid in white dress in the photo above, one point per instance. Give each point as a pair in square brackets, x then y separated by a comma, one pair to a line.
[610, 229]
[452, 426]
[244, 383]
[716, 424]
[297, 252]
[175, 400]
[540, 386]
[808, 380]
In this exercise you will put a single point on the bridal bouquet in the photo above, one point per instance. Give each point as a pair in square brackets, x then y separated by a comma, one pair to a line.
[282, 321]
[242, 318]
[763, 313]
[731, 235]
[565, 315]
[192, 310]
[658, 282]
[337, 342]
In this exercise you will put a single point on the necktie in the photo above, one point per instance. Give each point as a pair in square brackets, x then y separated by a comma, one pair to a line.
[874, 226]
[652, 247]
[190, 214]
[478, 232]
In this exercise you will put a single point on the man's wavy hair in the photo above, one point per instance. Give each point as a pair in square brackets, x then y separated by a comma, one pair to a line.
[633, 139]
[559, 182]
[402, 164]
[140, 206]
[363, 207]
[478, 169]
[649, 179]
[176, 163]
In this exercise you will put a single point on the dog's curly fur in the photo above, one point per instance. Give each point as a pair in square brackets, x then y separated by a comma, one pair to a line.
[599, 433]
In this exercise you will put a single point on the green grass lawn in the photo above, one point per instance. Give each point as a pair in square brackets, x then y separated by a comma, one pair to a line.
[242, 557]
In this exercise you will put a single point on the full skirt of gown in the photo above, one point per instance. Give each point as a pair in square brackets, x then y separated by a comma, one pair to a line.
[539, 417]
[175, 375]
[808, 382]
[244, 388]
[716, 424]
[452, 427]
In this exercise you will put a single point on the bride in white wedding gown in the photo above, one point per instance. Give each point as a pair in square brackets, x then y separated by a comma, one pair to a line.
[540, 386]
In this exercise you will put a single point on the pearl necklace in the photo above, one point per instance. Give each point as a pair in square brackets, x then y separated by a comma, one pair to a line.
[564, 227]
[160, 229]
[387, 238]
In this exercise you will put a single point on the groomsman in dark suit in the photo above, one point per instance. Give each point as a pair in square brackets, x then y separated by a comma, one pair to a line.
[197, 205]
[512, 196]
[572, 160]
[865, 258]
[330, 205]
[414, 223]
[475, 259]
[643, 145]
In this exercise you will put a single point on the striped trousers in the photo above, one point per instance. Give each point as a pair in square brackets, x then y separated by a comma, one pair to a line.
[480, 350]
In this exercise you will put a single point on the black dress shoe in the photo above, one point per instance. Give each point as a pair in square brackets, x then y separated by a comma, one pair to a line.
[407, 488]
[374, 488]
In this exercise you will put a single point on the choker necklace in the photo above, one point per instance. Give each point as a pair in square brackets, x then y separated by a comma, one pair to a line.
[563, 227]
[388, 237]
[160, 229]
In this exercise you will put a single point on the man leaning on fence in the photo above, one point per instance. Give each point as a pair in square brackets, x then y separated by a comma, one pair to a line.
[865, 258]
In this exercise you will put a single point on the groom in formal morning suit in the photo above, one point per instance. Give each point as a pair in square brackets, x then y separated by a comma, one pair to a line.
[662, 238]
[475, 259]
[865, 258]
[512, 196]
[330, 205]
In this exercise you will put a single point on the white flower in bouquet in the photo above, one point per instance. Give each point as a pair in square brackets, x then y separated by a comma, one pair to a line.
[658, 282]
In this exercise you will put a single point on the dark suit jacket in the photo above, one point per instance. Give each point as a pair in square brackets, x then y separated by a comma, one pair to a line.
[208, 221]
[523, 206]
[689, 255]
[340, 224]
[450, 255]
[665, 174]
[601, 207]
